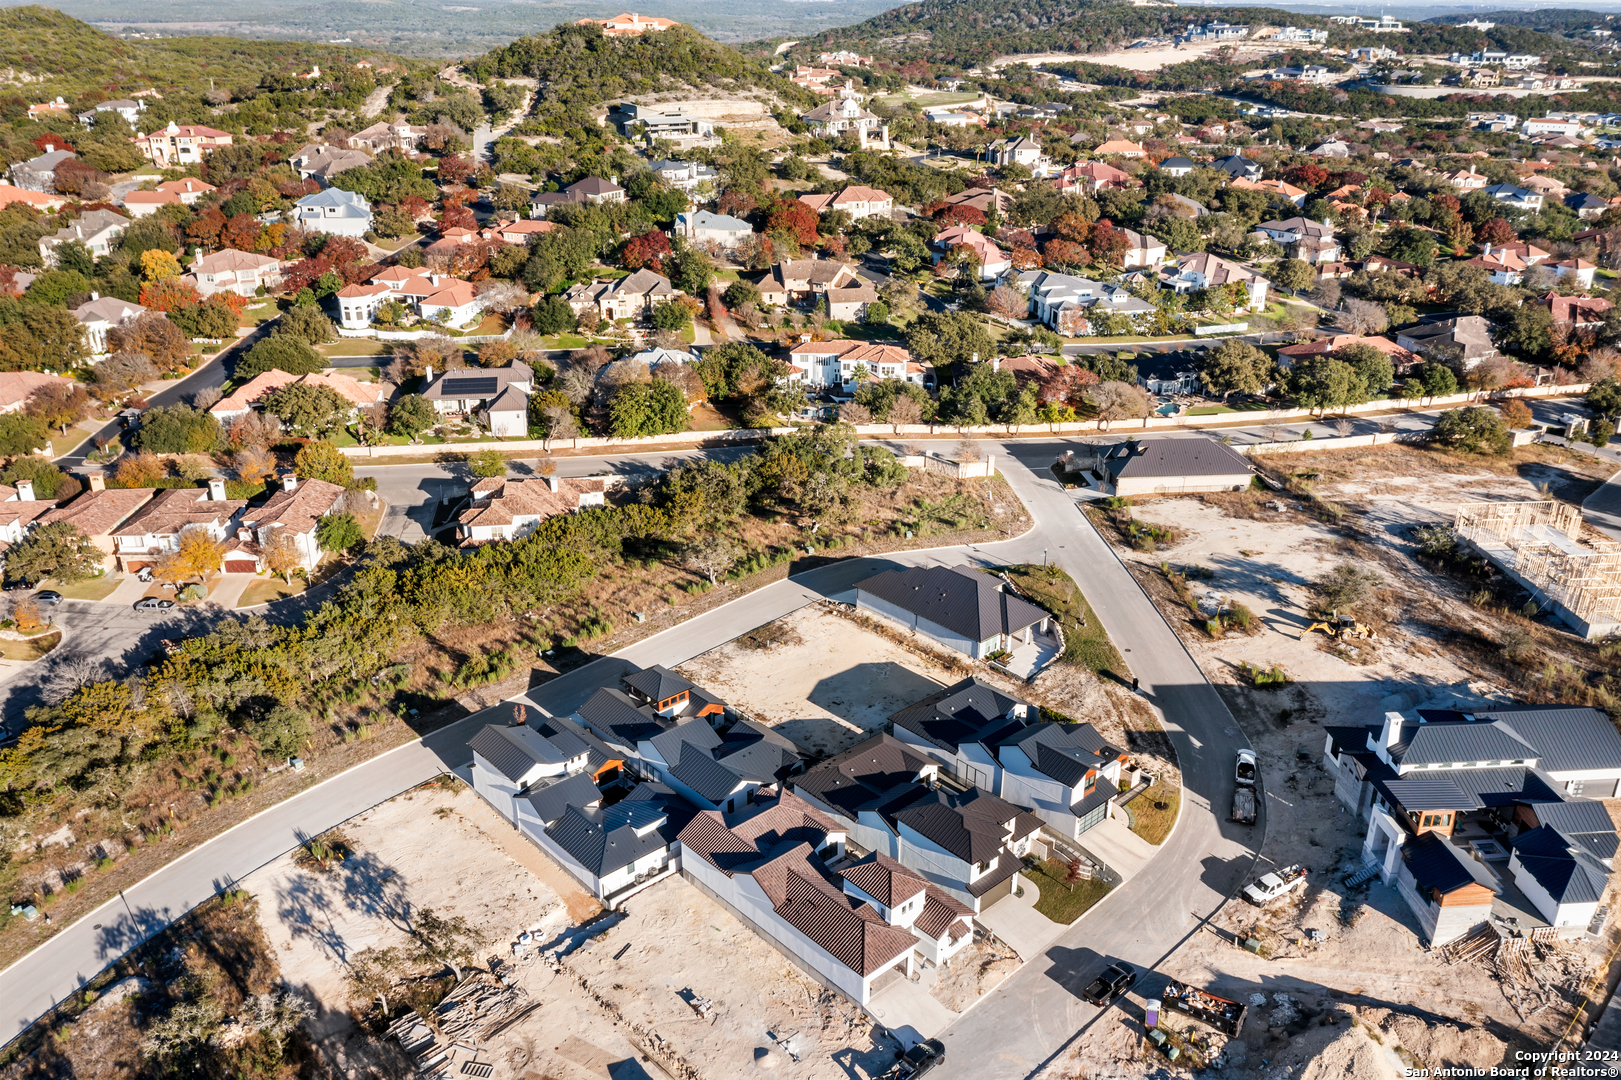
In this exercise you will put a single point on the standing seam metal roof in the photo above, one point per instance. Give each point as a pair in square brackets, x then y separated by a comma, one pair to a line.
[960, 600]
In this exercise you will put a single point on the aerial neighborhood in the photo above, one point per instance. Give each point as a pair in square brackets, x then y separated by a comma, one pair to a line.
[851, 553]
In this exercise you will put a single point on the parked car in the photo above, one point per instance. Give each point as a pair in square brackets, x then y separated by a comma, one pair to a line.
[1244, 770]
[919, 1060]
[144, 574]
[153, 603]
[1116, 980]
[48, 597]
[1268, 887]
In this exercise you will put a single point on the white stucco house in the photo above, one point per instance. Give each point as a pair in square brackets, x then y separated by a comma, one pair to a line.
[335, 211]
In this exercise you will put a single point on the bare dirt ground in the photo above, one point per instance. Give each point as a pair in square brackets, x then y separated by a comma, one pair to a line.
[1434, 648]
[611, 992]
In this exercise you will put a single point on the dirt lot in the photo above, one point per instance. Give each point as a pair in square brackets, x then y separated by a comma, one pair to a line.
[617, 996]
[1436, 646]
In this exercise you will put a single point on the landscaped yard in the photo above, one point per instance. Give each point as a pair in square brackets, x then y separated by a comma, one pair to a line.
[355, 347]
[1060, 902]
[1086, 643]
[269, 589]
[1147, 819]
[32, 649]
[94, 589]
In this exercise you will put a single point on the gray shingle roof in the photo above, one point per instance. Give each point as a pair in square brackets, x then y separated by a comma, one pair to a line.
[1565, 870]
[960, 599]
[1174, 457]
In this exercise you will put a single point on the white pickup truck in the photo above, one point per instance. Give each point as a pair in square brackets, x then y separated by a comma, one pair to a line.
[1271, 886]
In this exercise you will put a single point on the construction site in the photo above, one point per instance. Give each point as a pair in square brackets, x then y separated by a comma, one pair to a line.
[1540, 545]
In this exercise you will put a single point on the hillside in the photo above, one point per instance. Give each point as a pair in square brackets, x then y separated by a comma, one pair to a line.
[62, 56]
[962, 33]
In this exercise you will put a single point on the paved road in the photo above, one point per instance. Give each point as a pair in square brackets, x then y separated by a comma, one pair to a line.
[1208, 863]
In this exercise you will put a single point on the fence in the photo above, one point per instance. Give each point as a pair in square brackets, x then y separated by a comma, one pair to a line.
[1222, 328]
[416, 335]
[1079, 427]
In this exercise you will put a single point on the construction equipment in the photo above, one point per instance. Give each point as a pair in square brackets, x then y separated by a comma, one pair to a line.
[1225, 1016]
[1339, 627]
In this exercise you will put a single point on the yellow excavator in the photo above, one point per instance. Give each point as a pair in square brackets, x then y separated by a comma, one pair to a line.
[1340, 627]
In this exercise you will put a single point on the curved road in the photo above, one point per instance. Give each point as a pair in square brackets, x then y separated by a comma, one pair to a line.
[1200, 865]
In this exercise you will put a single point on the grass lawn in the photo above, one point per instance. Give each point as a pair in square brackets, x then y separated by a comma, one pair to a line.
[94, 589]
[395, 245]
[355, 347]
[566, 341]
[1210, 410]
[263, 592]
[1060, 902]
[1086, 646]
[689, 333]
[1147, 819]
[32, 649]
[259, 314]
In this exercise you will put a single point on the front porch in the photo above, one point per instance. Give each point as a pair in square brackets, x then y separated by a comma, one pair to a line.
[1032, 653]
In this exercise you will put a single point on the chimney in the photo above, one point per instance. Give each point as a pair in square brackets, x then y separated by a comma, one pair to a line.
[1390, 734]
[996, 364]
[551, 482]
[427, 376]
[25, 491]
[216, 491]
[98, 482]
[94, 295]
[289, 482]
[244, 534]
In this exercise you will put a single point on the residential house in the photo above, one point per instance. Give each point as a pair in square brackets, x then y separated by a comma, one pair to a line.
[1302, 238]
[1502, 267]
[1202, 270]
[1467, 336]
[294, 511]
[1586, 204]
[1171, 466]
[322, 162]
[858, 201]
[1467, 180]
[993, 261]
[155, 529]
[250, 393]
[1463, 777]
[128, 109]
[39, 173]
[631, 24]
[1578, 313]
[959, 607]
[502, 508]
[517, 232]
[1447, 888]
[1401, 359]
[18, 512]
[1091, 177]
[771, 868]
[37, 200]
[474, 390]
[952, 118]
[1212, 32]
[97, 230]
[386, 136]
[1022, 150]
[16, 387]
[1518, 197]
[228, 270]
[1123, 148]
[49, 110]
[684, 175]
[985, 200]
[335, 211]
[666, 123]
[1071, 304]
[961, 727]
[845, 365]
[99, 513]
[704, 227]
[1275, 188]
[1547, 125]
[453, 303]
[1177, 166]
[358, 304]
[1237, 165]
[594, 189]
[884, 794]
[179, 145]
[1066, 774]
[833, 118]
[631, 297]
[100, 315]
[1575, 267]
[509, 760]
[1142, 251]
[183, 192]
[803, 281]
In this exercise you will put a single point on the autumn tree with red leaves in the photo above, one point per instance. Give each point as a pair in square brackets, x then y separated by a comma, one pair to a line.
[647, 250]
[796, 219]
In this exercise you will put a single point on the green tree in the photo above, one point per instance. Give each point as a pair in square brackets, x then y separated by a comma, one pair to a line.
[1435, 379]
[49, 481]
[338, 532]
[1600, 432]
[1325, 382]
[650, 408]
[307, 324]
[949, 337]
[178, 429]
[22, 434]
[308, 411]
[441, 940]
[552, 315]
[59, 550]
[1237, 367]
[1372, 366]
[671, 315]
[280, 732]
[411, 415]
[1475, 430]
[487, 464]
[1294, 274]
[1604, 397]
[320, 460]
[280, 352]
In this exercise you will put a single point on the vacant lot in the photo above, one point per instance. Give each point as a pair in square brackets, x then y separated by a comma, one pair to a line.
[1441, 632]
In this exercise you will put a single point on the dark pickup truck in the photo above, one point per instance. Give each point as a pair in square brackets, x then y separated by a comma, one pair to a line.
[1111, 984]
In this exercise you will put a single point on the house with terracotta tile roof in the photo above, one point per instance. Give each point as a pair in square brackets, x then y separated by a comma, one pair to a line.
[517, 232]
[294, 511]
[99, 513]
[1401, 359]
[250, 393]
[803, 281]
[630, 24]
[179, 145]
[18, 511]
[183, 192]
[154, 530]
[239, 272]
[504, 508]
[1577, 312]
[857, 200]
[1120, 148]
[781, 867]
[386, 136]
[1092, 177]
[453, 303]
[1270, 187]
[1575, 267]
[39, 200]
[993, 261]
[844, 365]
[17, 386]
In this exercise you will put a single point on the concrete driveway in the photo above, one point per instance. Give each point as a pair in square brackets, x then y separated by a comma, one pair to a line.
[1016, 921]
[908, 1010]
[1117, 847]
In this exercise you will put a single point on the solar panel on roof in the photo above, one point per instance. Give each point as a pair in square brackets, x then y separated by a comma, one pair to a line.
[479, 387]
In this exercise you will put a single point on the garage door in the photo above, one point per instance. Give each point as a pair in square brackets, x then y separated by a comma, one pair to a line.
[1091, 818]
[997, 892]
[241, 566]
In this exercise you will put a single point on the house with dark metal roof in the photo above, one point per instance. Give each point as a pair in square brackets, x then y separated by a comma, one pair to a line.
[1160, 466]
[1065, 773]
[1450, 892]
[614, 850]
[957, 606]
[961, 726]
[509, 760]
[1559, 875]
[780, 866]
[718, 767]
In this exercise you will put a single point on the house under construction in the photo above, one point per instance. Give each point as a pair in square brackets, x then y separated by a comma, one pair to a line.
[1539, 545]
